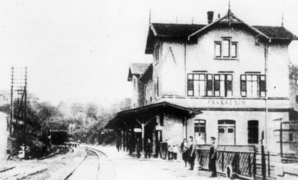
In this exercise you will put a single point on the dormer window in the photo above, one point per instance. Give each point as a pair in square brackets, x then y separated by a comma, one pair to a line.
[225, 49]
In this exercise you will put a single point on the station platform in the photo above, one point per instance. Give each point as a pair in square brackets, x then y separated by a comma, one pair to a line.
[120, 166]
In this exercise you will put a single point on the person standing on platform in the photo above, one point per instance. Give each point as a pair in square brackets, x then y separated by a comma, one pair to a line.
[184, 150]
[170, 150]
[192, 153]
[175, 151]
[148, 148]
[118, 144]
[139, 145]
[157, 149]
[200, 140]
[212, 158]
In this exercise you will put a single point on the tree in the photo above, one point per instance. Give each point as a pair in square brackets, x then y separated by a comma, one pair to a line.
[92, 111]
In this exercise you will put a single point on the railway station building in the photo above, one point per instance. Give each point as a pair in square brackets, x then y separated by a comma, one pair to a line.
[225, 79]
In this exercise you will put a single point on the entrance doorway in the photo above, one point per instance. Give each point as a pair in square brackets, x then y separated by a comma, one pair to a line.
[226, 132]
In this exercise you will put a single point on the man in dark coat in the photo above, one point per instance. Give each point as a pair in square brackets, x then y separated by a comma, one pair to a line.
[184, 150]
[139, 145]
[212, 158]
[192, 153]
[148, 148]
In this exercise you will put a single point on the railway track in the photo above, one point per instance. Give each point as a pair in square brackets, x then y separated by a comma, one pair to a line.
[89, 168]
[61, 150]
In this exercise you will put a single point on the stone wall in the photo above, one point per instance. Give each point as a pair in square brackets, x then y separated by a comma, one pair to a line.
[173, 129]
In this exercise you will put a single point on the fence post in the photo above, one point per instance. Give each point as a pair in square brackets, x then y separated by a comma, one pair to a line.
[222, 161]
[249, 164]
[263, 162]
[254, 163]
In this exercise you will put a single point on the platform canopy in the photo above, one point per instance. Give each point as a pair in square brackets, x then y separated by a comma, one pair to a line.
[127, 118]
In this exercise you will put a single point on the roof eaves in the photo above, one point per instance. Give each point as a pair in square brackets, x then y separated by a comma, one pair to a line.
[156, 105]
[153, 29]
[147, 69]
[129, 77]
[259, 32]
[188, 38]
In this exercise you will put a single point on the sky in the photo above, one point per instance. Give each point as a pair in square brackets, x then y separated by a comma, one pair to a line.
[80, 50]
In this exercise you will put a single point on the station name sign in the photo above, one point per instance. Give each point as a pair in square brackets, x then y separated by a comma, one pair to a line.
[225, 102]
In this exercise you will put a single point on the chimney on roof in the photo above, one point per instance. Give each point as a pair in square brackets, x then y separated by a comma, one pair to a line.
[210, 16]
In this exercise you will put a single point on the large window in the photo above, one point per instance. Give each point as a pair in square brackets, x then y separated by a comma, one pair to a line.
[219, 85]
[253, 132]
[253, 85]
[223, 85]
[200, 131]
[196, 85]
[226, 49]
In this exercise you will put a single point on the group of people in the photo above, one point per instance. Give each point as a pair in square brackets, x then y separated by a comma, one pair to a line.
[188, 150]
[148, 148]
[173, 150]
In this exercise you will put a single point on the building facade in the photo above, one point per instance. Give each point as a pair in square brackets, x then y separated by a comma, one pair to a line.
[226, 79]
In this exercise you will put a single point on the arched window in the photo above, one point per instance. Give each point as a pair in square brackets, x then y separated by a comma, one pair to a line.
[253, 131]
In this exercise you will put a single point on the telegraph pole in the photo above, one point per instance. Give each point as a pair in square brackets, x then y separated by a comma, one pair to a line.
[11, 104]
[25, 111]
[19, 119]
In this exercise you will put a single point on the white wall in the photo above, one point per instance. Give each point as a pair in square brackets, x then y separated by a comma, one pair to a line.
[175, 62]
[278, 71]
[242, 118]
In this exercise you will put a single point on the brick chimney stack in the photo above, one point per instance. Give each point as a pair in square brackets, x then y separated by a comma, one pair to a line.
[210, 16]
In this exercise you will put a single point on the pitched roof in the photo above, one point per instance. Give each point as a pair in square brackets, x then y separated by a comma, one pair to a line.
[169, 31]
[129, 116]
[137, 69]
[147, 74]
[183, 31]
[178, 30]
[265, 31]
[276, 32]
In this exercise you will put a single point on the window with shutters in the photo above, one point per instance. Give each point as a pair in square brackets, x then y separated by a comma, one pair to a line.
[218, 49]
[234, 50]
[196, 85]
[252, 85]
[253, 132]
[209, 86]
[223, 85]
